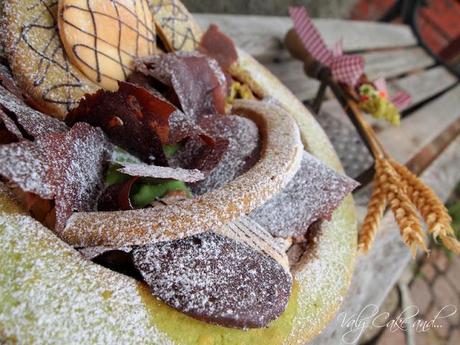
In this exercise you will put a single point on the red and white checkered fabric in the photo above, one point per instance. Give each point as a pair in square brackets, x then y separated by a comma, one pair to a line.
[345, 68]
[401, 99]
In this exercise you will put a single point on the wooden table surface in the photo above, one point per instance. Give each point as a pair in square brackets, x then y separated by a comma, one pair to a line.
[427, 141]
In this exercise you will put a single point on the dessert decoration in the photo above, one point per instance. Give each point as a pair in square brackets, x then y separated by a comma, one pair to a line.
[216, 279]
[219, 46]
[279, 161]
[9, 128]
[37, 57]
[312, 194]
[66, 167]
[102, 38]
[131, 117]
[30, 122]
[175, 25]
[243, 153]
[194, 77]
[160, 172]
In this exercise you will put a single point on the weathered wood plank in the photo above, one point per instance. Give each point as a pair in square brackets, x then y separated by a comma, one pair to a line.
[388, 257]
[389, 64]
[262, 36]
[385, 64]
[422, 86]
[422, 127]
[421, 135]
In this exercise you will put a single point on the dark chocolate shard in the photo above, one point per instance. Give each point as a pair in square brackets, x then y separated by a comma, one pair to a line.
[67, 167]
[216, 279]
[7, 81]
[144, 170]
[214, 43]
[243, 143]
[10, 126]
[133, 118]
[117, 196]
[312, 194]
[197, 80]
[29, 121]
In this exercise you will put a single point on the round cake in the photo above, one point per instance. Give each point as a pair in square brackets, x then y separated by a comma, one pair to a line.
[51, 294]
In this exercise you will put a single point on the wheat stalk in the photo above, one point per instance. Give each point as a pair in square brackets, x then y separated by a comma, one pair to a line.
[402, 208]
[375, 210]
[433, 211]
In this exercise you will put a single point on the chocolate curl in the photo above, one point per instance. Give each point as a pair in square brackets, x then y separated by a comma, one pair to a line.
[345, 68]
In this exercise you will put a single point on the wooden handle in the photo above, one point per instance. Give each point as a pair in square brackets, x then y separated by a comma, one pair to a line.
[294, 45]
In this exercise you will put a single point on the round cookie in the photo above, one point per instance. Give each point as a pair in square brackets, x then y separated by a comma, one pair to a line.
[37, 57]
[102, 38]
[176, 26]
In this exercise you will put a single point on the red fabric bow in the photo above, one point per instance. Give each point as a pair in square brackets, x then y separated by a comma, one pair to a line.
[401, 100]
[345, 68]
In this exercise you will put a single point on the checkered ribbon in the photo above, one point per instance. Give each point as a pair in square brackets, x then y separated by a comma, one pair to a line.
[401, 100]
[345, 68]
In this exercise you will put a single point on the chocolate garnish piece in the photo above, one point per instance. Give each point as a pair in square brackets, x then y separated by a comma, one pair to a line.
[132, 117]
[144, 170]
[7, 81]
[243, 142]
[10, 126]
[214, 43]
[117, 196]
[103, 37]
[30, 121]
[216, 279]
[197, 80]
[67, 167]
[314, 193]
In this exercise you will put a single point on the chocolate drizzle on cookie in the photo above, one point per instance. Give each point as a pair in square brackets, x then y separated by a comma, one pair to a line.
[37, 57]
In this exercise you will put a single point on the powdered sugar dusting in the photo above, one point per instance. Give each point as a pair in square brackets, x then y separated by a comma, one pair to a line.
[313, 194]
[144, 170]
[50, 293]
[243, 137]
[32, 121]
[280, 160]
[67, 167]
[216, 279]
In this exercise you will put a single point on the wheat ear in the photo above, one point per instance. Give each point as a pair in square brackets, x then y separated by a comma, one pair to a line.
[375, 210]
[432, 209]
[402, 208]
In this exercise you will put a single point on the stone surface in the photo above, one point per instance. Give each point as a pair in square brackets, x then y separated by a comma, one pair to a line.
[389, 337]
[428, 272]
[453, 274]
[421, 295]
[441, 326]
[427, 338]
[454, 338]
[445, 295]
[440, 260]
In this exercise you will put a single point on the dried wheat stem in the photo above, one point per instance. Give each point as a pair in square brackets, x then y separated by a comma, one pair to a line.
[432, 209]
[375, 209]
[402, 208]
